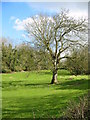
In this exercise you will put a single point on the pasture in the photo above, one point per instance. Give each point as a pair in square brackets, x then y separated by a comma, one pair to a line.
[30, 94]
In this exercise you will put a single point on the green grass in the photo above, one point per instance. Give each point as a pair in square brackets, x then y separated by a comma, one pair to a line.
[30, 95]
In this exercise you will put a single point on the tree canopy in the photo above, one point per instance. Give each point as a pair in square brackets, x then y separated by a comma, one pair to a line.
[57, 34]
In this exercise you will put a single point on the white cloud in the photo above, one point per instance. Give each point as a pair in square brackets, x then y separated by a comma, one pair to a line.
[12, 18]
[20, 24]
[78, 14]
[23, 35]
[57, 6]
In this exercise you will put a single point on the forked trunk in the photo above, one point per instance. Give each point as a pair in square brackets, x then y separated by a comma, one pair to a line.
[54, 78]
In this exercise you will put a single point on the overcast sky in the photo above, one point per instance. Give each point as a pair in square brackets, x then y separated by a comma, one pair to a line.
[15, 14]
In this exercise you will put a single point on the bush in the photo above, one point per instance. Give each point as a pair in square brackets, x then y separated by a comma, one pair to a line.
[17, 69]
[5, 69]
[80, 110]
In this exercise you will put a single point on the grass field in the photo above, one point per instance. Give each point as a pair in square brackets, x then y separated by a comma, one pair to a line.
[30, 95]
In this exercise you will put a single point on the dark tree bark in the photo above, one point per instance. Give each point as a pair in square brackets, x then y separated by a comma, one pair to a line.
[54, 78]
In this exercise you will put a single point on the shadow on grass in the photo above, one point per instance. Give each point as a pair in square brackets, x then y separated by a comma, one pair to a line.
[81, 84]
[20, 84]
[60, 72]
[41, 107]
[46, 106]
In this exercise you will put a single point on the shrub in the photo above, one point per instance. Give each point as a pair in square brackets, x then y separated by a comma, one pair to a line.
[5, 69]
[80, 110]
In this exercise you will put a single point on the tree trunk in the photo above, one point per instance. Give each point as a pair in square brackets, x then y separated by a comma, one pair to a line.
[54, 78]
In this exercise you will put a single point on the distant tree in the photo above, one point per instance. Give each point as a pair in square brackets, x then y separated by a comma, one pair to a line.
[23, 58]
[79, 63]
[57, 34]
[42, 60]
[6, 57]
[26, 57]
[0, 57]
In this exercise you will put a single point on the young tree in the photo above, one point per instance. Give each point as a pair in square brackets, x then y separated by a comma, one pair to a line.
[57, 35]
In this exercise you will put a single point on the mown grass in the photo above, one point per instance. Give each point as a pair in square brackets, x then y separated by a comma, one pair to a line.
[30, 94]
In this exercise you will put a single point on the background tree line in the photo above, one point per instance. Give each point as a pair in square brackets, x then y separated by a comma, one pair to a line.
[79, 62]
[23, 58]
[26, 58]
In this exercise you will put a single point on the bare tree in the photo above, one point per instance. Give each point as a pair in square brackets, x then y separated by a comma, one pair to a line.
[57, 34]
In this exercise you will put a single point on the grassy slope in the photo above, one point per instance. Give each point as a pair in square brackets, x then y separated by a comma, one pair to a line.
[28, 95]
